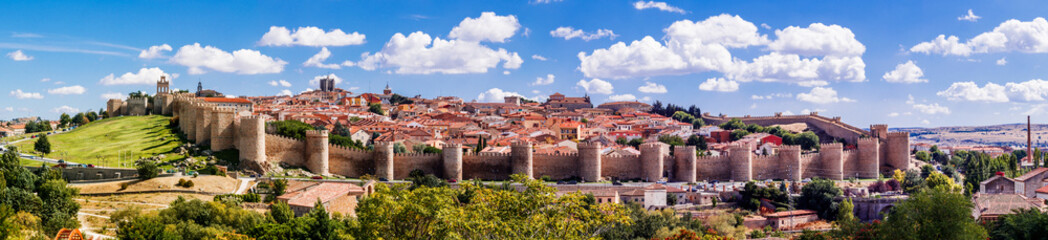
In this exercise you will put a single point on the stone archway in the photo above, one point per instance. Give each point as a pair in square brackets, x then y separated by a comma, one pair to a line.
[884, 211]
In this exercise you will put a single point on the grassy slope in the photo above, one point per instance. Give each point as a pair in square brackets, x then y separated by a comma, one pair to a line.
[103, 142]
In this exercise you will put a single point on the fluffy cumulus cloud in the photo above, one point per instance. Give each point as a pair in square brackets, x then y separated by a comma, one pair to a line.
[703, 46]
[719, 85]
[817, 40]
[243, 61]
[68, 90]
[971, 17]
[144, 76]
[543, 81]
[821, 95]
[1010, 36]
[309, 36]
[661, 6]
[905, 73]
[285, 92]
[568, 33]
[622, 97]
[18, 55]
[538, 57]
[155, 51]
[596, 86]
[112, 95]
[65, 109]
[650, 87]
[318, 59]
[969, 91]
[496, 95]
[315, 82]
[279, 83]
[487, 27]
[19, 94]
[932, 109]
[1002, 61]
[419, 53]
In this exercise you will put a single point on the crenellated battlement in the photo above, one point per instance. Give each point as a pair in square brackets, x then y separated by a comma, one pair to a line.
[520, 144]
[589, 145]
[317, 133]
[790, 148]
[868, 140]
[898, 135]
[831, 146]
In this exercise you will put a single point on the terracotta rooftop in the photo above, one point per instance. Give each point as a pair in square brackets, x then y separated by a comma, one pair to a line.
[1001, 204]
[325, 192]
[789, 213]
[1030, 174]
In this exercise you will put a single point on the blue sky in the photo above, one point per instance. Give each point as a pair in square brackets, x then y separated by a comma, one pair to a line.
[731, 57]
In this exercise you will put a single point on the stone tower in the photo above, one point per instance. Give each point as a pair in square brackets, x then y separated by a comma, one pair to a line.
[651, 157]
[741, 162]
[317, 151]
[453, 161]
[686, 162]
[869, 158]
[898, 150]
[832, 157]
[589, 161]
[163, 85]
[522, 158]
[383, 157]
[222, 131]
[790, 159]
[251, 142]
[203, 130]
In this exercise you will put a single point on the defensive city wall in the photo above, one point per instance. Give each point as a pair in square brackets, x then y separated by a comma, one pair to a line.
[221, 128]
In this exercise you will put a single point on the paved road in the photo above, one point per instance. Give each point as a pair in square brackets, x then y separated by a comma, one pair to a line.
[3, 148]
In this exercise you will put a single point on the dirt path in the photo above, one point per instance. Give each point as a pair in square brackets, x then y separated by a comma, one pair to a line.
[85, 226]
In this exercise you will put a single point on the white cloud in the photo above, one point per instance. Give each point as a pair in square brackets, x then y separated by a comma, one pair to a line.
[418, 53]
[1010, 36]
[661, 6]
[971, 17]
[112, 95]
[1002, 62]
[771, 96]
[243, 61]
[65, 109]
[791, 68]
[544, 1]
[696, 47]
[568, 33]
[19, 94]
[18, 55]
[145, 76]
[9, 109]
[543, 81]
[817, 39]
[496, 95]
[318, 59]
[310, 36]
[487, 27]
[893, 114]
[905, 73]
[719, 85]
[76, 89]
[650, 87]
[315, 82]
[765, 26]
[934, 108]
[969, 91]
[45, 80]
[596, 86]
[926, 122]
[285, 92]
[821, 95]
[1035, 90]
[280, 83]
[622, 97]
[154, 51]
[538, 57]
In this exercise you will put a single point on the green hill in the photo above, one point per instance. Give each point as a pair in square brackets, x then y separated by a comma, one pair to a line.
[115, 142]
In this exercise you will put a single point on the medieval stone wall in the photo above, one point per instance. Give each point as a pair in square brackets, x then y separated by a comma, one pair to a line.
[713, 168]
[491, 166]
[767, 167]
[558, 166]
[287, 150]
[350, 162]
[404, 163]
[621, 166]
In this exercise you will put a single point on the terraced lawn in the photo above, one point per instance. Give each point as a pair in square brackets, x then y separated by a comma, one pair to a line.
[114, 142]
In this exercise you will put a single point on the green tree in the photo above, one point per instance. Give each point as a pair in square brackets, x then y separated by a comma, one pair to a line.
[940, 181]
[733, 124]
[42, 145]
[1021, 224]
[64, 120]
[738, 134]
[913, 182]
[844, 212]
[280, 212]
[932, 214]
[923, 156]
[819, 196]
[376, 108]
[59, 209]
[147, 169]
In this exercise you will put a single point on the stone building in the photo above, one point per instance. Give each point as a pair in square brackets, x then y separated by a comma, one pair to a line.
[558, 100]
[336, 197]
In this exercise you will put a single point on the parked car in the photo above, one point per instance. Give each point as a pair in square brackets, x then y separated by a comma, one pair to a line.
[317, 177]
[452, 180]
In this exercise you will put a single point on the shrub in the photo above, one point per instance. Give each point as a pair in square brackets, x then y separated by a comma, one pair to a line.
[181, 182]
[147, 169]
[188, 184]
[123, 186]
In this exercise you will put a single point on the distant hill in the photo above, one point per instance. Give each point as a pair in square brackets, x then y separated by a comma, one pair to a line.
[114, 142]
[996, 135]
